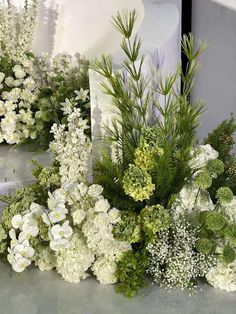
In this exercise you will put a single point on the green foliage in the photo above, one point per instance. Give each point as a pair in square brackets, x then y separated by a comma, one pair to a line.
[224, 195]
[159, 143]
[131, 270]
[222, 140]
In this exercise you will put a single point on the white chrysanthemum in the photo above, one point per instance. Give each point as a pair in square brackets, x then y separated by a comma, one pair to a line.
[74, 262]
[201, 155]
[105, 270]
[223, 276]
[191, 199]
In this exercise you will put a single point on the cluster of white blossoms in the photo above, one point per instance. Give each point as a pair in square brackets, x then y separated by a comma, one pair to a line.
[25, 227]
[93, 245]
[191, 198]
[201, 155]
[72, 148]
[223, 276]
[18, 92]
[17, 29]
[55, 217]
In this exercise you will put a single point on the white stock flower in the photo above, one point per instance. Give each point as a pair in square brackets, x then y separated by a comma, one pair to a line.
[19, 72]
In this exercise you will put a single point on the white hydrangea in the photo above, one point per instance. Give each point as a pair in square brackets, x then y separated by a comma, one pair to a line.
[192, 199]
[73, 263]
[105, 270]
[201, 155]
[223, 276]
[230, 209]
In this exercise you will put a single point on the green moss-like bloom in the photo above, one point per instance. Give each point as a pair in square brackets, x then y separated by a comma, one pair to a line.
[228, 255]
[215, 167]
[49, 177]
[137, 183]
[43, 231]
[203, 180]
[230, 233]
[215, 221]
[204, 246]
[154, 219]
[224, 195]
[3, 234]
[128, 229]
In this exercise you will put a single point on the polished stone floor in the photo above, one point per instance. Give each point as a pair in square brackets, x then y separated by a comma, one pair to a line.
[35, 292]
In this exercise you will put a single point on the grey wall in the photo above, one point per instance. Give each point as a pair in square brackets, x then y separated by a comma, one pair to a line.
[216, 82]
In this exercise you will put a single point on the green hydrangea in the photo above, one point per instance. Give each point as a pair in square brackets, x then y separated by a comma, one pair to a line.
[154, 219]
[203, 180]
[43, 231]
[3, 234]
[128, 229]
[153, 137]
[204, 246]
[215, 167]
[49, 177]
[145, 156]
[224, 195]
[3, 247]
[215, 221]
[228, 255]
[137, 183]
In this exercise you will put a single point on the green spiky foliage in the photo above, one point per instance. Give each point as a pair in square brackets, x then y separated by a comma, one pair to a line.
[222, 140]
[135, 101]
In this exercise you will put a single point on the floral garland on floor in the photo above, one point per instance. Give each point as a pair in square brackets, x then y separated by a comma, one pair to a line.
[71, 230]
[32, 88]
[164, 208]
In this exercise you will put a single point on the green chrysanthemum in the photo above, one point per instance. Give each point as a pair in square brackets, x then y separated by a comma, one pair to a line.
[215, 221]
[224, 195]
[137, 183]
[204, 246]
[203, 180]
[228, 255]
[215, 167]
